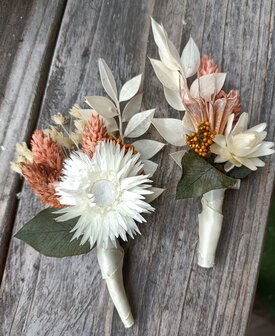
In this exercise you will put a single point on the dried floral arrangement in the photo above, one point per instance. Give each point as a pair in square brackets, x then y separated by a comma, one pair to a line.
[95, 182]
[218, 147]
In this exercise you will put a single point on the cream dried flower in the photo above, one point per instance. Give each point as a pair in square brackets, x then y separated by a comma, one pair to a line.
[241, 146]
[107, 192]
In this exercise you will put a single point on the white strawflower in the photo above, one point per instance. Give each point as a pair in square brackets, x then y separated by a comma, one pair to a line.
[241, 146]
[106, 192]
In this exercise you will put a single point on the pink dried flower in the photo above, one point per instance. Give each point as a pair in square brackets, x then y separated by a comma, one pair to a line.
[207, 66]
[45, 168]
[41, 179]
[45, 151]
[94, 132]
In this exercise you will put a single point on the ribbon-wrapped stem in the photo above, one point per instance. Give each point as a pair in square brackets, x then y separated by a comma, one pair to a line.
[210, 224]
[110, 260]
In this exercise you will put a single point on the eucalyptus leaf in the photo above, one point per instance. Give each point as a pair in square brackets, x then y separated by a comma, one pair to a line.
[139, 124]
[173, 99]
[107, 79]
[130, 88]
[199, 177]
[51, 238]
[132, 107]
[190, 58]
[168, 78]
[102, 105]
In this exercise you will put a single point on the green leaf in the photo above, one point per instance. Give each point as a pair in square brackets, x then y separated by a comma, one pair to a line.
[239, 172]
[51, 238]
[199, 177]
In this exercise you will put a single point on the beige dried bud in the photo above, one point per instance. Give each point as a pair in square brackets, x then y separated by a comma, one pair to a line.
[23, 150]
[16, 167]
[75, 111]
[59, 119]
[80, 125]
[76, 137]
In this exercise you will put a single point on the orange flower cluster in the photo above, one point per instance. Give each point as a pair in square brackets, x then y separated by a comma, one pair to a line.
[45, 168]
[201, 141]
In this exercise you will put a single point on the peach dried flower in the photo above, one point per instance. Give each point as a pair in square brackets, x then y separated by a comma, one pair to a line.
[94, 132]
[207, 66]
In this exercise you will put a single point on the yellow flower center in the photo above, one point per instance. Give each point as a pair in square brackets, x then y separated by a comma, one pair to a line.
[201, 141]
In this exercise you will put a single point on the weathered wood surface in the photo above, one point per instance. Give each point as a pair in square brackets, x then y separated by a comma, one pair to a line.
[168, 293]
[28, 32]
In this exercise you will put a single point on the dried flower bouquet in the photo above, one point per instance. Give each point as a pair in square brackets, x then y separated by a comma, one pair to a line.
[95, 183]
[218, 147]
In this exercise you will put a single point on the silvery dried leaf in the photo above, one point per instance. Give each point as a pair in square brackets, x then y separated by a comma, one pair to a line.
[102, 105]
[177, 156]
[167, 50]
[190, 58]
[132, 107]
[107, 79]
[156, 193]
[149, 167]
[169, 78]
[130, 88]
[172, 130]
[173, 99]
[111, 124]
[139, 124]
[147, 148]
[207, 85]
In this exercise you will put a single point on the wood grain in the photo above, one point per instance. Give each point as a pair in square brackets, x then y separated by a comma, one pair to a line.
[28, 32]
[168, 292]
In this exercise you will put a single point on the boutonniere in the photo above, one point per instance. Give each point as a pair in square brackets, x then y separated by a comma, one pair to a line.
[218, 147]
[95, 180]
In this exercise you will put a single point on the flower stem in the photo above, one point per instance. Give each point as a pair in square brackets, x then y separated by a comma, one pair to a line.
[120, 122]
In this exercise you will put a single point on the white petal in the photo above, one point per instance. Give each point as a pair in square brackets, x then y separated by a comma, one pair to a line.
[241, 124]
[207, 85]
[147, 148]
[190, 58]
[172, 130]
[229, 125]
[264, 149]
[168, 78]
[130, 88]
[139, 124]
[220, 140]
[257, 162]
[258, 128]
[177, 156]
[247, 162]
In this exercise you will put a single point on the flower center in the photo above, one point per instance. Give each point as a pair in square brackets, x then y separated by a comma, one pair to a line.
[201, 141]
[104, 192]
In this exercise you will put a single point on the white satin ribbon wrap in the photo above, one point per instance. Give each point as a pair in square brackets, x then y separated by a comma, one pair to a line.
[110, 260]
[210, 224]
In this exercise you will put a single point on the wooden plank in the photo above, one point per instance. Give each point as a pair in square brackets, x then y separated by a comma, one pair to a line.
[168, 292]
[28, 32]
